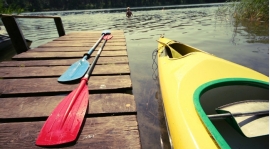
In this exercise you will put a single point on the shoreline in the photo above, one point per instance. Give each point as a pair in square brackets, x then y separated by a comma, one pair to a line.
[146, 8]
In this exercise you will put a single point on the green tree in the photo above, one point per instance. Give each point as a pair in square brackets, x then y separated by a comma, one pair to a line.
[9, 8]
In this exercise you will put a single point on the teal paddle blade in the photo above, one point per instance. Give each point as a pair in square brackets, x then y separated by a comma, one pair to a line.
[75, 71]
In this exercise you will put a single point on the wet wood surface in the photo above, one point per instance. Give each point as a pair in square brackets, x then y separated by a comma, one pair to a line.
[29, 92]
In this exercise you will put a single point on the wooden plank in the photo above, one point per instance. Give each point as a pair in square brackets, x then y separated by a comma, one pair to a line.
[97, 132]
[60, 55]
[63, 62]
[85, 40]
[75, 49]
[26, 107]
[50, 85]
[56, 71]
[115, 38]
[118, 32]
[97, 36]
[91, 34]
[78, 44]
[91, 40]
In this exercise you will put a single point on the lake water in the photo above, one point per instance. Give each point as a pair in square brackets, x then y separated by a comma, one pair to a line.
[245, 43]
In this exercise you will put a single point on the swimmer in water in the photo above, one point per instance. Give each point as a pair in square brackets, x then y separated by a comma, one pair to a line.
[129, 13]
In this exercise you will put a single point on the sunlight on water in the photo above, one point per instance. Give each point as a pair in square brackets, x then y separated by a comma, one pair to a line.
[198, 27]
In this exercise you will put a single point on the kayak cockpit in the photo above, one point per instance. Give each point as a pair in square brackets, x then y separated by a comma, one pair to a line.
[175, 49]
[208, 97]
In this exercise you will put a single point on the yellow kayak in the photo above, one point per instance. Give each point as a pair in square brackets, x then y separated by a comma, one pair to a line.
[188, 79]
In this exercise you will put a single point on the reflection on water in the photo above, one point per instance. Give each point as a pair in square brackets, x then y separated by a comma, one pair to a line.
[198, 27]
[255, 31]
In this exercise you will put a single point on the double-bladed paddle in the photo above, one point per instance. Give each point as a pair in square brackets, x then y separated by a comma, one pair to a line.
[239, 114]
[79, 68]
[63, 125]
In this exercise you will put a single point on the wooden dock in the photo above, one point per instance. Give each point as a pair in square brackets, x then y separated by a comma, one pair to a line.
[29, 92]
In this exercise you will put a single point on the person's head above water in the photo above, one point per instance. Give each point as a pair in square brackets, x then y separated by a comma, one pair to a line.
[129, 13]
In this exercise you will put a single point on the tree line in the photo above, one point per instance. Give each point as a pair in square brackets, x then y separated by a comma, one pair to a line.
[52, 5]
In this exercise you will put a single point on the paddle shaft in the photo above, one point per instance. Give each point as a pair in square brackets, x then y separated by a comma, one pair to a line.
[85, 57]
[225, 115]
[90, 70]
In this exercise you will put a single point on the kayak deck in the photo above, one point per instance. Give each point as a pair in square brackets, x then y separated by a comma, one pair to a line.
[29, 91]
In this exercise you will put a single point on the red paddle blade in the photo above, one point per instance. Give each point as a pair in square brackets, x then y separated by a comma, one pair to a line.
[63, 125]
